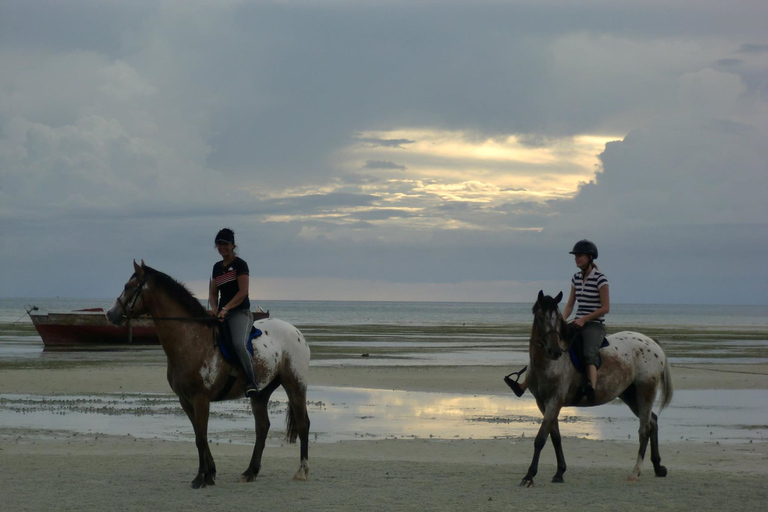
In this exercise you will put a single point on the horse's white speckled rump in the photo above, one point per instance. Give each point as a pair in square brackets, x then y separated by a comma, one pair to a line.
[279, 344]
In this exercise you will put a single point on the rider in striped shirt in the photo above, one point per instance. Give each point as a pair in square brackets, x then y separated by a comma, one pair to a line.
[589, 287]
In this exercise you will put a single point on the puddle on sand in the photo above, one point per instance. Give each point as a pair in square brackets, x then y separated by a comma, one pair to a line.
[353, 413]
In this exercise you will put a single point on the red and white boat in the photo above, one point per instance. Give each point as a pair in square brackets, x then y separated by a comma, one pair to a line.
[90, 328]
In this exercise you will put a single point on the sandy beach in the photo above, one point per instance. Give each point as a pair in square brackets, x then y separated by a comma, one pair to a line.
[49, 470]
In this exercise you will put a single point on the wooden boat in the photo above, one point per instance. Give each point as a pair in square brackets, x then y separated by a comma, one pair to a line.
[90, 328]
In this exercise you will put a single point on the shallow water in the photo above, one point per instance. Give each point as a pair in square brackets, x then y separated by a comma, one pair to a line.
[353, 413]
[510, 352]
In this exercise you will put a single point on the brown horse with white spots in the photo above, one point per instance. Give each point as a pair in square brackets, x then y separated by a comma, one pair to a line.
[199, 374]
[634, 368]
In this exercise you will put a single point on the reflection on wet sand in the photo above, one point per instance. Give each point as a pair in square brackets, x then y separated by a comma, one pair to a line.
[355, 413]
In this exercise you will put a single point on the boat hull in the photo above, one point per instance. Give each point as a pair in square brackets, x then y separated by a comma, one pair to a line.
[92, 328]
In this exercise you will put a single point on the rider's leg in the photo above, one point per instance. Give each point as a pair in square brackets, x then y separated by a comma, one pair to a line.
[240, 323]
[592, 375]
[592, 335]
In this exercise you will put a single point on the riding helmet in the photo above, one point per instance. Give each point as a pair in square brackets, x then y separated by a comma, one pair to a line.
[226, 235]
[585, 247]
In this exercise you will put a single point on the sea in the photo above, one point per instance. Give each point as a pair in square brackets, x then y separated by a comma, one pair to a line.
[14, 310]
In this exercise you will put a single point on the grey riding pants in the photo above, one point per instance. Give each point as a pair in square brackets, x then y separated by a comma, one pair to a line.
[592, 335]
[240, 322]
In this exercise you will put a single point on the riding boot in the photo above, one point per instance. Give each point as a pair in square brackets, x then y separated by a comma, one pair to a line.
[588, 392]
[513, 384]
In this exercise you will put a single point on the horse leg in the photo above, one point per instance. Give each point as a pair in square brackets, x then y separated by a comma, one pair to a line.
[259, 405]
[298, 423]
[658, 469]
[644, 401]
[557, 442]
[550, 417]
[198, 414]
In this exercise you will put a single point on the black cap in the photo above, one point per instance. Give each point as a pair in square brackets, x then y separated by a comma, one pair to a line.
[226, 235]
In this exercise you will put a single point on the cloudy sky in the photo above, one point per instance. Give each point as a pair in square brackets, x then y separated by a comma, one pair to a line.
[385, 149]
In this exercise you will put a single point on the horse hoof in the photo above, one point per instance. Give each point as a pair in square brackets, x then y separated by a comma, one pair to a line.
[301, 475]
[661, 471]
[558, 480]
[247, 477]
[526, 483]
[198, 483]
[633, 478]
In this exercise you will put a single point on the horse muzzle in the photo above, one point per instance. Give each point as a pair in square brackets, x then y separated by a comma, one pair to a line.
[115, 315]
[554, 354]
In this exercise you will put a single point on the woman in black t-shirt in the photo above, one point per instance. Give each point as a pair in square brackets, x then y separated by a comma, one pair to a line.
[228, 296]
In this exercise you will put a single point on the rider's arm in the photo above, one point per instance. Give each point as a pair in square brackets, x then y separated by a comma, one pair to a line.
[213, 297]
[571, 301]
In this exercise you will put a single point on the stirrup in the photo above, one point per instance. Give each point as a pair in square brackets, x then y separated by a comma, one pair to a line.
[251, 391]
[513, 384]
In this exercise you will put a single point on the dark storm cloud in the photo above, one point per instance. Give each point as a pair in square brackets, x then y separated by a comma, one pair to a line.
[381, 164]
[386, 143]
[753, 48]
[383, 214]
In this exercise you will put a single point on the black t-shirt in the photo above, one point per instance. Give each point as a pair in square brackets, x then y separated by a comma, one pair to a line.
[226, 281]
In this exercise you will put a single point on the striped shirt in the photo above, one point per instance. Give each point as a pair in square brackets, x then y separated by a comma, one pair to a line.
[588, 292]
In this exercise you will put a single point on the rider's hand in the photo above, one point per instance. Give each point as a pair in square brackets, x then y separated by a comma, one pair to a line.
[579, 322]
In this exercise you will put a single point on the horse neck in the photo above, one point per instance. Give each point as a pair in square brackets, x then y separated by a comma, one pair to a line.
[537, 353]
[179, 338]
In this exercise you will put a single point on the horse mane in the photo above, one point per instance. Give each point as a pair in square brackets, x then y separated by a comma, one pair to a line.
[180, 293]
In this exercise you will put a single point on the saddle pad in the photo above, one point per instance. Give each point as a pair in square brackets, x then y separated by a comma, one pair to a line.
[576, 359]
[225, 344]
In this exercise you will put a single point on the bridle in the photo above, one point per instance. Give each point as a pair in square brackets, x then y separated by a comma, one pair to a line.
[128, 311]
[541, 340]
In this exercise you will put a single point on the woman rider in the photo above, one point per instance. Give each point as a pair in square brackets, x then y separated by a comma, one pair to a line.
[589, 287]
[228, 297]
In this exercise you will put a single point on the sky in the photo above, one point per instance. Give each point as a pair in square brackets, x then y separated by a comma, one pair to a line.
[387, 150]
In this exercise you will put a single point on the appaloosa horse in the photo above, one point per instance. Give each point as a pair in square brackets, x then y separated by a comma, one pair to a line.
[199, 374]
[634, 368]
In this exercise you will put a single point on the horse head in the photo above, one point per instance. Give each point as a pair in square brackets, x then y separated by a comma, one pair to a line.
[131, 302]
[548, 326]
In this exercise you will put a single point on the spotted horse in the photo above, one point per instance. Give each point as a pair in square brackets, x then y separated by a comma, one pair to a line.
[634, 369]
[199, 374]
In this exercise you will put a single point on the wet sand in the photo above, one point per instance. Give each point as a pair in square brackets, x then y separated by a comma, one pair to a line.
[150, 378]
[49, 470]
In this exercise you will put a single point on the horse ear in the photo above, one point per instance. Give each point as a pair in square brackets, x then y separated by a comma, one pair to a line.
[139, 270]
[541, 294]
[559, 298]
[143, 264]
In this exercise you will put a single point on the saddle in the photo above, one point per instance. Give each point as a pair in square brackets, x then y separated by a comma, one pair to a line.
[576, 351]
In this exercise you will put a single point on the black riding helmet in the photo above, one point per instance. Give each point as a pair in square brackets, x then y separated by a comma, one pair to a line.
[585, 247]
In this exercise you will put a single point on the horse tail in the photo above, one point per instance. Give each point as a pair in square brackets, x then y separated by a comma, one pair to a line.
[667, 387]
[291, 429]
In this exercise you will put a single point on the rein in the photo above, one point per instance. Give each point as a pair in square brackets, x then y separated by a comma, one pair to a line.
[542, 343]
[128, 311]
